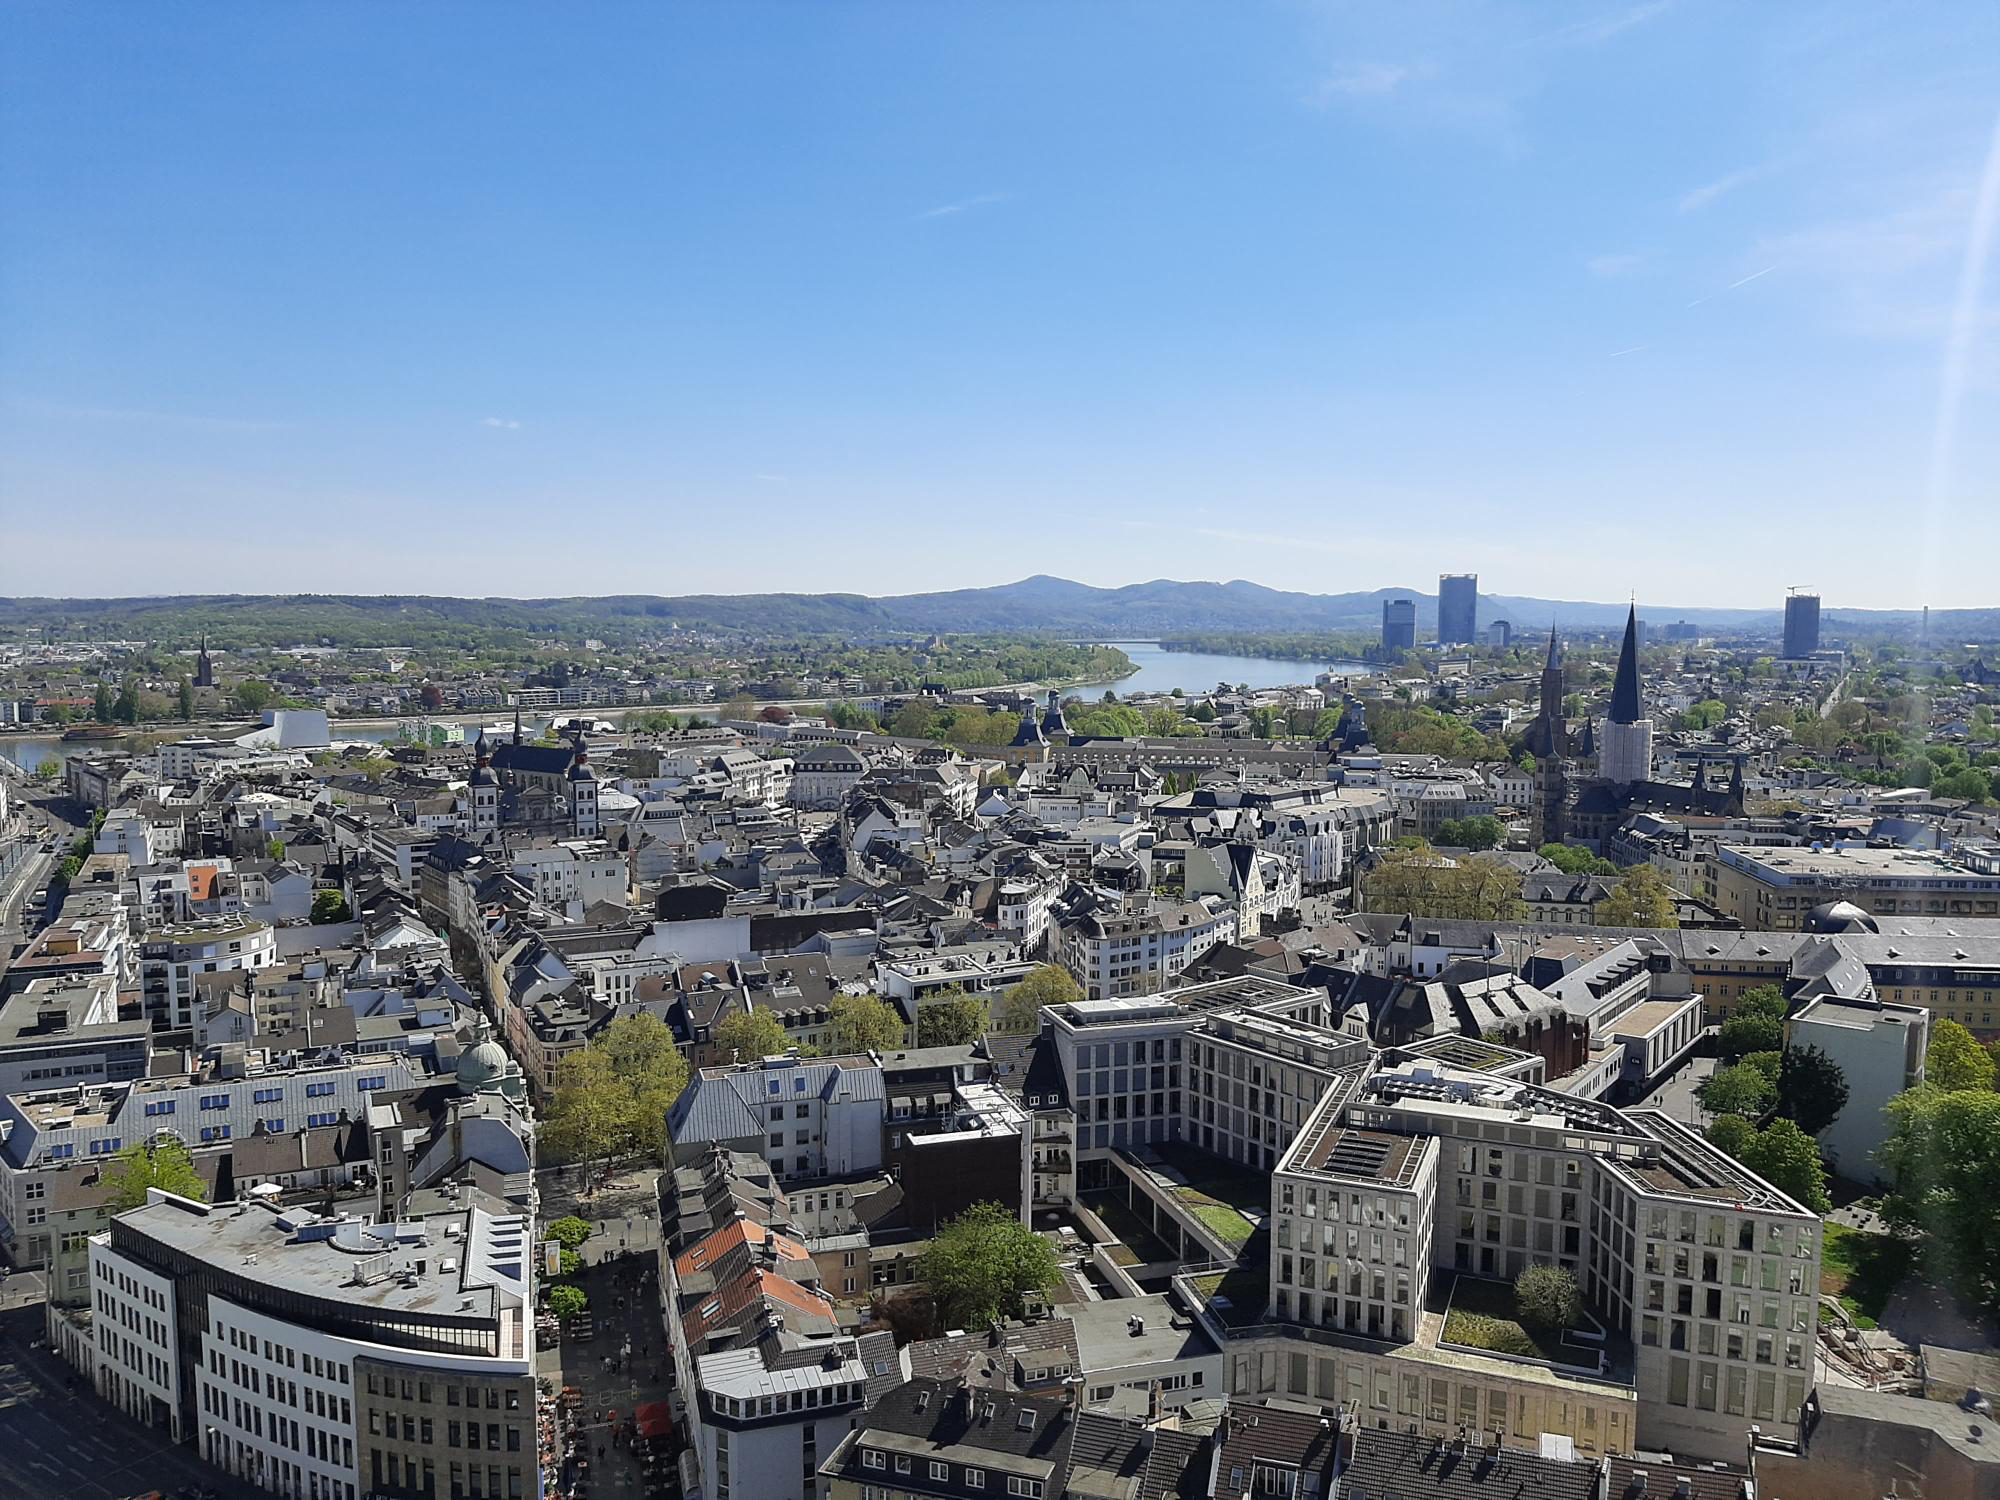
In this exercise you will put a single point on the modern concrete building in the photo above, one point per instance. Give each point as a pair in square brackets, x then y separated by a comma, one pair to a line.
[325, 1357]
[1879, 1047]
[1458, 609]
[1801, 625]
[1778, 889]
[1399, 624]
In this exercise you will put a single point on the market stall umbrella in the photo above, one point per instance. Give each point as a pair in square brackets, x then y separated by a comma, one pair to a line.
[654, 1419]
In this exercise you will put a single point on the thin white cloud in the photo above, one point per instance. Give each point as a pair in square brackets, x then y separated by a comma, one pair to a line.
[771, 478]
[1745, 281]
[1602, 28]
[504, 422]
[1959, 338]
[945, 210]
[1368, 80]
[1610, 267]
[1699, 198]
[170, 419]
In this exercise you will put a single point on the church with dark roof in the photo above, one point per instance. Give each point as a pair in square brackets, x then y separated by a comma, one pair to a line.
[520, 787]
[1589, 783]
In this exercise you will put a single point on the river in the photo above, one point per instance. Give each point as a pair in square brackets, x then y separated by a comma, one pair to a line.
[1161, 671]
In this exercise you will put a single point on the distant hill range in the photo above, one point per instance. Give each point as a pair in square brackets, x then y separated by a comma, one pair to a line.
[1135, 611]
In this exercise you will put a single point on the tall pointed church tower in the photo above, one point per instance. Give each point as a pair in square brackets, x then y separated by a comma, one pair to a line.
[1548, 742]
[1625, 751]
[204, 669]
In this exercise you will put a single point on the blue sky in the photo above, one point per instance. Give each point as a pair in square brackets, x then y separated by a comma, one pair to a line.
[1691, 299]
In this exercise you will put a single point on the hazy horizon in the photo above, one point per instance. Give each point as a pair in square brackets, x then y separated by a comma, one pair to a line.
[1662, 297]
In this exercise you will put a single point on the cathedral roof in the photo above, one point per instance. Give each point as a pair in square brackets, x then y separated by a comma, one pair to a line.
[1625, 686]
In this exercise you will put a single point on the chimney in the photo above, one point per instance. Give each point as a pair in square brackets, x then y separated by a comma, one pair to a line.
[1155, 1404]
[971, 1401]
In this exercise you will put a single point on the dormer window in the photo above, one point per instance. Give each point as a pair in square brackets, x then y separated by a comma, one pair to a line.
[871, 1458]
[902, 1463]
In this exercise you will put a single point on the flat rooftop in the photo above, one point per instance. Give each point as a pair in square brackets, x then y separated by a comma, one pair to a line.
[1852, 862]
[1107, 1339]
[407, 1267]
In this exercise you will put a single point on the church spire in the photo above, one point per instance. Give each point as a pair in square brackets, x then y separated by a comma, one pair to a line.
[1625, 686]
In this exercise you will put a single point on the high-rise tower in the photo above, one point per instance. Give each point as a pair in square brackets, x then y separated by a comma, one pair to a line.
[1458, 608]
[1801, 625]
[1399, 624]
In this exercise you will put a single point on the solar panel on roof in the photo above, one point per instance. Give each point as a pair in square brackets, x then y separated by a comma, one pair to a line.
[1359, 1156]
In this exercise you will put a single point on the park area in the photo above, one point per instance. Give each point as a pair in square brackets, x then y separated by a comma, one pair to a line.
[1863, 1270]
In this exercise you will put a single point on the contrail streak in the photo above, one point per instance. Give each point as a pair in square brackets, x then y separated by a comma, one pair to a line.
[1958, 350]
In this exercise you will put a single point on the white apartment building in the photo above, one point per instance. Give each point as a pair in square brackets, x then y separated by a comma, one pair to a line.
[1144, 950]
[170, 957]
[325, 1358]
[573, 872]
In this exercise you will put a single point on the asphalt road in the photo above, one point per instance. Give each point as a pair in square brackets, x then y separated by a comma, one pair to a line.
[55, 1442]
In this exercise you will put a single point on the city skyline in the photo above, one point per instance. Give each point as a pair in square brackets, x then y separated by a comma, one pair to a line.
[700, 300]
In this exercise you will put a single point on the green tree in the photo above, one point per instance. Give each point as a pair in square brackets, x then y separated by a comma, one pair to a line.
[865, 1023]
[1969, 783]
[274, 848]
[1943, 1156]
[1758, 1025]
[1020, 1010]
[1546, 1297]
[569, 1231]
[330, 906]
[1415, 879]
[1732, 1133]
[1481, 832]
[981, 1265]
[955, 1022]
[1573, 861]
[648, 1068]
[163, 1163]
[1812, 1090]
[49, 768]
[1640, 899]
[1738, 1090]
[1787, 1158]
[1770, 1064]
[1203, 712]
[252, 696]
[1955, 1061]
[913, 721]
[745, 1036]
[126, 709]
[567, 1302]
[184, 704]
[101, 705]
[589, 1116]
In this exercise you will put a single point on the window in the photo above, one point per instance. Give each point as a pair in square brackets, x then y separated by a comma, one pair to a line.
[1031, 1488]
[902, 1463]
[871, 1458]
[975, 1479]
[940, 1471]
